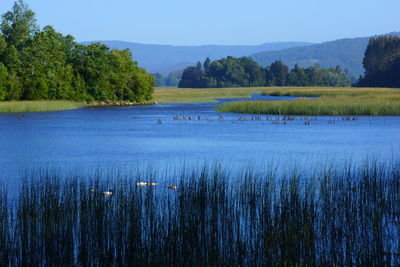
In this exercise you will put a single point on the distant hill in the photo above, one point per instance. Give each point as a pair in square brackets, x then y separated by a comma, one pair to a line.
[347, 53]
[167, 58]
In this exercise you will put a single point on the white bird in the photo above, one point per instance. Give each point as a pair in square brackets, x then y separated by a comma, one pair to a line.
[108, 193]
[146, 184]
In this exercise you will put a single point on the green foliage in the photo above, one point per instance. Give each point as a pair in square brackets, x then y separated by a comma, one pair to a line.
[382, 62]
[244, 72]
[18, 25]
[192, 77]
[4, 81]
[44, 64]
[170, 80]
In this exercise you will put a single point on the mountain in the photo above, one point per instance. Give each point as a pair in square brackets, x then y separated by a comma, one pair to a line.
[347, 53]
[167, 58]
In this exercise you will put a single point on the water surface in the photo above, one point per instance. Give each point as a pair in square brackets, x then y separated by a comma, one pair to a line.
[168, 134]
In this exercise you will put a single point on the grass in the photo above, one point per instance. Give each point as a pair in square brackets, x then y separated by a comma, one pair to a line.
[329, 216]
[331, 101]
[202, 95]
[38, 106]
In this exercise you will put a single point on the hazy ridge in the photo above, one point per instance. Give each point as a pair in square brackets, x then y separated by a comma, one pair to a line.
[167, 58]
[347, 53]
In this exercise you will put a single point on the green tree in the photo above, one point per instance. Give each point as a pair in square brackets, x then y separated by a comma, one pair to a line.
[18, 25]
[380, 61]
[142, 85]
[206, 64]
[3, 46]
[192, 77]
[4, 81]
[45, 72]
[279, 73]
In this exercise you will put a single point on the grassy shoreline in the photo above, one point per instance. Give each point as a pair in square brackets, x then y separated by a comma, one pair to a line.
[56, 105]
[202, 95]
[331, 101]
[38, 106]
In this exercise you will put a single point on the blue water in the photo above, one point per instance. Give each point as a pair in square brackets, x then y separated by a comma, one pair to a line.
[153, 135]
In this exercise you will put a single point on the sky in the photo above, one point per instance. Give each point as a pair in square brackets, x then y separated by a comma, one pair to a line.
[225, 22]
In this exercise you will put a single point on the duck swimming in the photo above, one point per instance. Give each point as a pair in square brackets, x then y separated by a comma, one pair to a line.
[108, 193]
[146, 184]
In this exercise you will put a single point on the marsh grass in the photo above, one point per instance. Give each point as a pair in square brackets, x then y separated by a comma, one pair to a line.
[38, 106]
[202, 95]
[341, 101]
[330, 216]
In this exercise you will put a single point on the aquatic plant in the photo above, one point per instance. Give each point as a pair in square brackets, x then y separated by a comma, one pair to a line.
[327, 216]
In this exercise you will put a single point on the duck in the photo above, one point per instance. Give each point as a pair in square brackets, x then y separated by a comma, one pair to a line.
[21, 116]
[173, 187]
[108, 193]
[146, 184]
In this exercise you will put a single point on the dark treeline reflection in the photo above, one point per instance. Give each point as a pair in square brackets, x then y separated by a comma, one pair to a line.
[331, 216]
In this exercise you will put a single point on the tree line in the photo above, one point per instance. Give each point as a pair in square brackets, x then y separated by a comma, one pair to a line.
[44, 64]
[245, 72]
[171, 79]
[382, 63]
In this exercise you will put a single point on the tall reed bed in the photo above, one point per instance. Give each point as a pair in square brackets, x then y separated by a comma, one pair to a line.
[330, 216]
[331, 101]
[332, 106]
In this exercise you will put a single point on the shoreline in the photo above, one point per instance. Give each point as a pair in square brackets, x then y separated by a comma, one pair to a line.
[26, 106]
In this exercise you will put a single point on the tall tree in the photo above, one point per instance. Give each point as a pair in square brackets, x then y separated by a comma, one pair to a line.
[192, 77]
[18, 25]
[4, 81]
[206, 64]
[279, 72]
[380, 61]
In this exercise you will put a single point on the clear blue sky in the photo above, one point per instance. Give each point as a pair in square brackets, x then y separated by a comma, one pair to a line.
[186, 22]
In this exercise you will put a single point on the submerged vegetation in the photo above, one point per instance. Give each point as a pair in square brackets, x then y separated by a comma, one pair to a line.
[332, 216]
[331, 101]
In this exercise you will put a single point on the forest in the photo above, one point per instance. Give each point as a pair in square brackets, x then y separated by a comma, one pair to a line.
[245, 72]
[45, 64]
[382, 63]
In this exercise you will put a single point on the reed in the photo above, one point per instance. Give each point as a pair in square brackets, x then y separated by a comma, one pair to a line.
[334, 106]
[331, 101]
[331, 215]
[38, 106]
[202, 95]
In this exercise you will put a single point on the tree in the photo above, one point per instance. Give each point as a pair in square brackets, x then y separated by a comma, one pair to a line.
[253, 72]
[380, 61]
[192, 77]
[4, 81]
[47, 65]
[3, 46]
[279, 73]
[206, 64]
[18, 25]
[45, 73]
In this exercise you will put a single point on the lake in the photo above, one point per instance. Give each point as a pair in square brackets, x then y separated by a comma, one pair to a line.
[170, 134]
